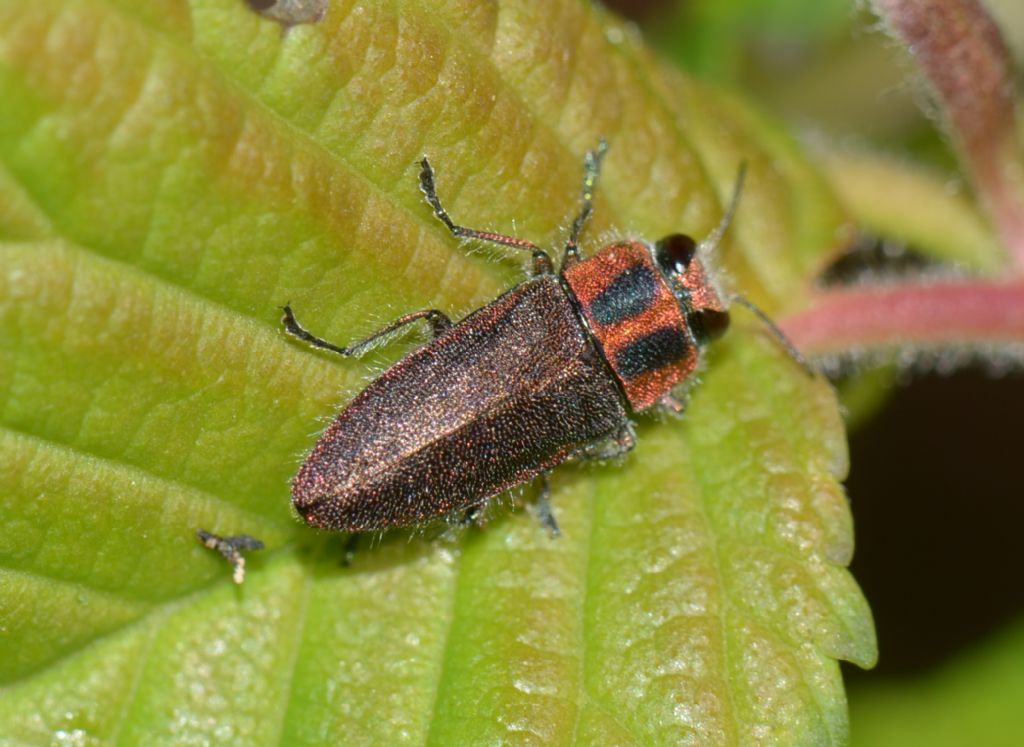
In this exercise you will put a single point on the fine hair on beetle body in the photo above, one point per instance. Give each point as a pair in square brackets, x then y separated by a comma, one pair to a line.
[554, 369]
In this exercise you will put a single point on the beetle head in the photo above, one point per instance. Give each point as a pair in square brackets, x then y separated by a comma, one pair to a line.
[678, 257]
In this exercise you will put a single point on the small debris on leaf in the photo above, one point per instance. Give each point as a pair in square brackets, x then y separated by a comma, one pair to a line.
[231, 548]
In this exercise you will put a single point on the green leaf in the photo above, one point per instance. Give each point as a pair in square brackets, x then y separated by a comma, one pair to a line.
[170, 174]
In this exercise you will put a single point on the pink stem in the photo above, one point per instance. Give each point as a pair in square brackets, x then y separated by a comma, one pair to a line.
[944, 313]
[962, 53]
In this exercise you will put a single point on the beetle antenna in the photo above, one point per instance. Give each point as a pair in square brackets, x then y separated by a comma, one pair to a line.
[777, 333]
[710, 244]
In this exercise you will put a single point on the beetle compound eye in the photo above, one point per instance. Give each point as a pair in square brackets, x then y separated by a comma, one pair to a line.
[675, 252]
[709, 324]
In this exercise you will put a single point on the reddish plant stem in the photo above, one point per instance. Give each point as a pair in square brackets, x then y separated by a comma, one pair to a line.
[962, 53]
[938, 314]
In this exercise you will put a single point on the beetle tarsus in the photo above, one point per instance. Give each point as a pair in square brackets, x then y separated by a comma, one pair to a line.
[543, 505]
[542, 264]
[292, 327]
[438, 320]
[348, 550]
[591, 170]
[672, 404]
[473, 516]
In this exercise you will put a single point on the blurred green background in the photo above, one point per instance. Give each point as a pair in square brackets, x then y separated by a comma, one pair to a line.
[934, 484]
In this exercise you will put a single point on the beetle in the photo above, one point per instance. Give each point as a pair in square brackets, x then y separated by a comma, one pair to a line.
[550, 371]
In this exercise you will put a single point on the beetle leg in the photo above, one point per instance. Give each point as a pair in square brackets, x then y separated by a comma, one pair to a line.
[591, 169]
[622, 443]
[542, 264]
[472, 516]
[543, 506]
[439, 322]
[672, 403]
[348, 550]
[457, 520]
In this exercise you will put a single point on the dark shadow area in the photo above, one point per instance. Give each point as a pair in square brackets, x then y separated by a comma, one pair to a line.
[938, 505]
[640, 10]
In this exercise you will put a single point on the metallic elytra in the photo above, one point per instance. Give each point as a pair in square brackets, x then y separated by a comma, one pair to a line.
[550, 371]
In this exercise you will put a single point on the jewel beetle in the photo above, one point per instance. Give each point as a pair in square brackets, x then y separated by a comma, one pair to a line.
[550, 371]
